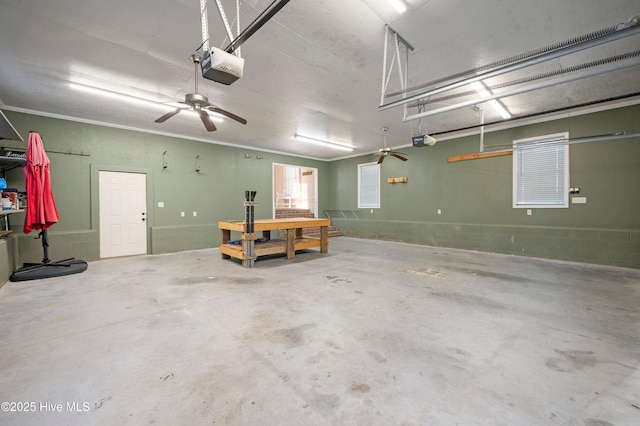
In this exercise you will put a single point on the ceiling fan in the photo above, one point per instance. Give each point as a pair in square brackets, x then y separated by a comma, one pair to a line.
[386, 151]
[200, 104]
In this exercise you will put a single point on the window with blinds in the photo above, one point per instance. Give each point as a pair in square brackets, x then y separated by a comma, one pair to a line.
[541, 172]
[369, 185]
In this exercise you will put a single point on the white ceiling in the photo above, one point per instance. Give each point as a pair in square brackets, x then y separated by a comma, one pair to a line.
[314, 69]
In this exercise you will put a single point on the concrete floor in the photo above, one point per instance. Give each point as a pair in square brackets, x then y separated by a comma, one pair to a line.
[372, 333]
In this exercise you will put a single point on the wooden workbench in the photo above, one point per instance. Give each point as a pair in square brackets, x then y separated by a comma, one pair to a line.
[295, 238]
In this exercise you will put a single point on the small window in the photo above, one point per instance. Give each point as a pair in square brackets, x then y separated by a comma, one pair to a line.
[369, 185]
[541, 172]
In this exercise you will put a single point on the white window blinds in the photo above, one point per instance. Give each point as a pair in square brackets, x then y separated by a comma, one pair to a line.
[541, 172]
[369, 185]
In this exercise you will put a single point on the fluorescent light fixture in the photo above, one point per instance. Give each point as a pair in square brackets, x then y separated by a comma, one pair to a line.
[140, 101]
[398, 5]
[496, 104]
[321, 142]
[116, 95]
[481, 89]
[500, 109]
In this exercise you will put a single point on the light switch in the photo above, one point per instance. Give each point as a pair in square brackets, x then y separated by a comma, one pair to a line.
[160, 203]
[439, 211]
[195, 214]
[182, 214]
[529, 212]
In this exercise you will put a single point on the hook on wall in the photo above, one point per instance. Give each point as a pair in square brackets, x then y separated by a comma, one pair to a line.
[259, 157]
[197, 165]
[164, 161]
[247, 156]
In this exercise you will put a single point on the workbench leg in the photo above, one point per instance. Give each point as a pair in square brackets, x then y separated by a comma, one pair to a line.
[226, 236]
[324, 239]
[291, 243]
[249, 250]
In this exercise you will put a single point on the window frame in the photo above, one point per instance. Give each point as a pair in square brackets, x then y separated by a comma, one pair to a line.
[360, 168]
[565, 172]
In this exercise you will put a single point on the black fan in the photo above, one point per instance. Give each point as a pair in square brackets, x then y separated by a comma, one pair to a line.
[200, 104]
[384, 152]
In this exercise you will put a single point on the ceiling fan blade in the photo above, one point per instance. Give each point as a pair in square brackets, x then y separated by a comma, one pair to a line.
[206, 120]
[381, 159]
[168, 115]
[400, 157]
[227, 113]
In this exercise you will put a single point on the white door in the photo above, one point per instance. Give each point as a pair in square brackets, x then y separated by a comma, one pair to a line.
[123, 214]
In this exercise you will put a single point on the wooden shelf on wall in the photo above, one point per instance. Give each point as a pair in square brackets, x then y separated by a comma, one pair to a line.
[398, 180]
[477, 156]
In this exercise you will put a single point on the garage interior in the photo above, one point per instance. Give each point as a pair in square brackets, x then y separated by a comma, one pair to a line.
[449, 293]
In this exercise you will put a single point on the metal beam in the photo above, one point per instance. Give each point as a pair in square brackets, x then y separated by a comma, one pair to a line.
[543, 57]
[264, 17]
[225, 22]
[404, 78]
[519, 91]
[402, 39]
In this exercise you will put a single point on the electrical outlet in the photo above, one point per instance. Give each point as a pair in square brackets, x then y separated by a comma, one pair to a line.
[160, 203]
[529, 212]
[195, 214]
[439, 211]
[181, 214]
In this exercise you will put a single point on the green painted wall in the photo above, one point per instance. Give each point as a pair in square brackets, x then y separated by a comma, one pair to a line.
[216, 192]
[475, 197]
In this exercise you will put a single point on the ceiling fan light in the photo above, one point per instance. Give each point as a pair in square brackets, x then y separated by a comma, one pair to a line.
[216, 116]
[321, 142]
[212, 115]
